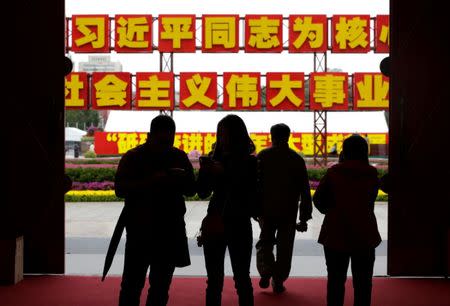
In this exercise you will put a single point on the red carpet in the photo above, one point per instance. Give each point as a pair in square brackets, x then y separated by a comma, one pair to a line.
[89, 291]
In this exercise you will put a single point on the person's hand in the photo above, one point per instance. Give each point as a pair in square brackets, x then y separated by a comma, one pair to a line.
[301, 226]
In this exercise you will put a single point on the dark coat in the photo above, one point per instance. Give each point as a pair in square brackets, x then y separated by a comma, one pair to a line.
[233, 191]
[154, 202]
[346, 195]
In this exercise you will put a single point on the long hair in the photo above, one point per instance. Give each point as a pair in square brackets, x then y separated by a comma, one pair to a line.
[232, 138]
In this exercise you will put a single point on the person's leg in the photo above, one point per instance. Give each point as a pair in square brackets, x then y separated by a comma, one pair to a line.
[240, 244]
[160, 278]
[265, 259]
[214, 252]
[362, 270]
[134, 273]
[337, 266]
[285, 244]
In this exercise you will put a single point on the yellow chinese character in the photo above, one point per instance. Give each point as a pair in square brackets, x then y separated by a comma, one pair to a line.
[176, 29]
[208, 141]
[96, 39]
[307, 144]
[384, 34]
[263, 33]
[177, 141]
[191, 142]
[351, 31]
[329, 89]
[73, 88]
[377, 138]
[285, 85]
[198, 87]
[308, 30]
[126, 142]
[260, 141]
[373, 91]
[111, 91]
[131, 32]
[142, 138]
[154, 91]
[335, 139]
[220, 31]
[244, 87]
[294, 142]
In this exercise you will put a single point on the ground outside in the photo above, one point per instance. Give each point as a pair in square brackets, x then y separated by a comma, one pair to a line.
[189, 291]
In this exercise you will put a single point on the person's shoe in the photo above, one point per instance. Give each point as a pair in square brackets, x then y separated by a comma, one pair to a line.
[278, 287]
[264, 282]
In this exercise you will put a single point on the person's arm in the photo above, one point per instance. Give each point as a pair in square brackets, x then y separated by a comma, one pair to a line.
[128, 184]
[187, 178]
[255, 187]
[322, 195]
[305, 208]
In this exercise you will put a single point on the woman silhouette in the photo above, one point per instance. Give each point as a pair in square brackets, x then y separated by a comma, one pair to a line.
[229, 172]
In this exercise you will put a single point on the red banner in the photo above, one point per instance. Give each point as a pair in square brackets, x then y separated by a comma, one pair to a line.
[198, 90]
[113, 143]
[370, 91]
[263, 33]
[133, 33]
[220, 33]
[350, 33]
[111, 90]
[285, 91]
[241, 91]
[90, 33]
[76, 91]
[177, 33]
[382, 34]
[328, 91]
[308, 33]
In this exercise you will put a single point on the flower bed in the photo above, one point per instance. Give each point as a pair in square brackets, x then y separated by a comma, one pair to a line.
[110, 196]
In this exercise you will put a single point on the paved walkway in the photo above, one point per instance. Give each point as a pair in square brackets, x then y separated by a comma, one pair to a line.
[89, 227]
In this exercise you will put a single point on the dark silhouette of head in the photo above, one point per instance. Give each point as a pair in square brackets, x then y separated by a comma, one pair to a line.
[280, 134]
[355, 148]
[162, 131]
[232, 137]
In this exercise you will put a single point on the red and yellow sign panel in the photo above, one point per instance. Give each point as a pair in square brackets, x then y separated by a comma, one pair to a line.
[382, 34]
[241, 91]
[370, 91]
[350, 33]
[154, 90]
[90, 33]
[328, 91]
[107, 143]
[308, 33]
[285, 91]
[76, 91]
[133, 33]
[263, 33]
[220, 33]
[111, 90]
[176, 33]
[198, 90]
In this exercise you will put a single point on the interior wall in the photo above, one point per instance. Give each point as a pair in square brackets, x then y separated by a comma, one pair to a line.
[33, 133]
[419, 127]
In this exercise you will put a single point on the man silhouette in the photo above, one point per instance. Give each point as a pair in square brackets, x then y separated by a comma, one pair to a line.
[283, 182]
[153, 178]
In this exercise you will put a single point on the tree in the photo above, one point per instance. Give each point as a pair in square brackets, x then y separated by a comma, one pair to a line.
[82, 118]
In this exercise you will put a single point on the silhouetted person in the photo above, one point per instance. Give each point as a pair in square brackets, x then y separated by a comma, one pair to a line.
[346, 195]
[283, 181]
[153, 178]
[230, 173]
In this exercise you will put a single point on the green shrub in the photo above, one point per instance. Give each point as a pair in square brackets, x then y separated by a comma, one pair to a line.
[90, 154]
[84, 175]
